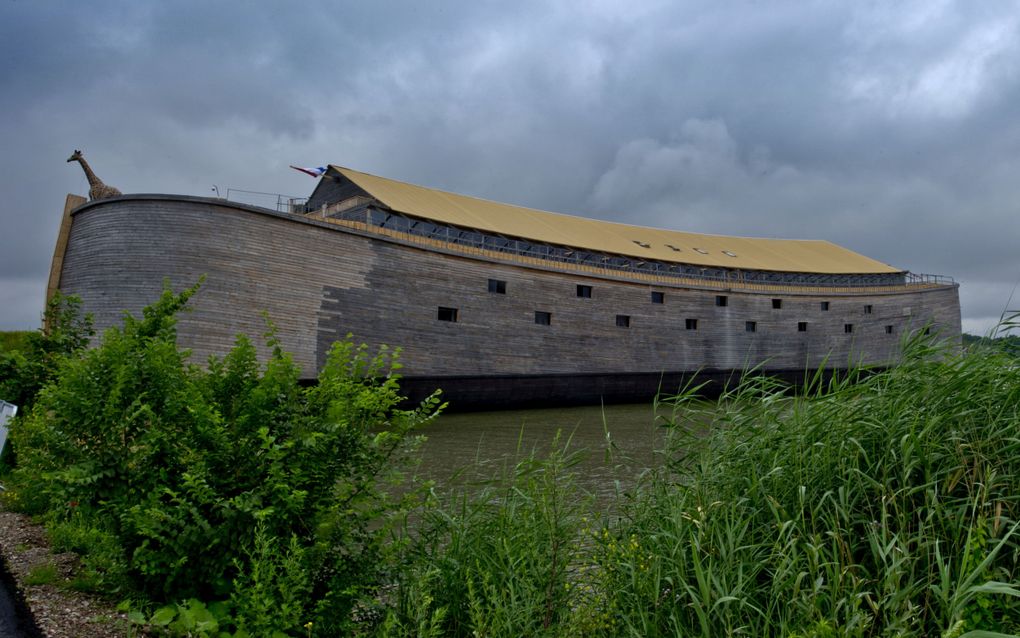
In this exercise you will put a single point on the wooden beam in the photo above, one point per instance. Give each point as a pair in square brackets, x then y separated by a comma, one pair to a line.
[72, 202]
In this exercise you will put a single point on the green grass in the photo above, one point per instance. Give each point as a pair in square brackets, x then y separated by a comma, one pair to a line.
[514, 539]
[1008, 343]
[14, 340]
[874, 505]
[42, 574]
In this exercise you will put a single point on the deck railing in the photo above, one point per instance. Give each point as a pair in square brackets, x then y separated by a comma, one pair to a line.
[273, 201]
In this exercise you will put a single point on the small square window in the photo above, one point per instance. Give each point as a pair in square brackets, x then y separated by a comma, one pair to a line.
[888, 330]
[848, 328]
[868, 309]
[777, 304]
[658, 297]
[750, 326]
[447, 314]
[825, 306]
[543, 318]
[691, 324]
[801, 326]
[722, 301]
[584, 291]
[497, 286]
[623, 321]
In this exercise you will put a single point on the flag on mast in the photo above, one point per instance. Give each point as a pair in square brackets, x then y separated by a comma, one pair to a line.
[318, 171]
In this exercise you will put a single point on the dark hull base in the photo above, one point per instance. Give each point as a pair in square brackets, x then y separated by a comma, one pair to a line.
[476, 393]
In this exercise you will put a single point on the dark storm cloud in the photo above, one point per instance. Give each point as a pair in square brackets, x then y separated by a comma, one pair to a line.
[165, 60]
[889, 128]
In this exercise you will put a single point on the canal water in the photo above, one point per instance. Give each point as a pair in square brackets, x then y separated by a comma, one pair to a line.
[615, 444]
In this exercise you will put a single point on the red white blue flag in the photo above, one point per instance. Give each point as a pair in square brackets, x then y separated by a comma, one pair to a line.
[318, 171]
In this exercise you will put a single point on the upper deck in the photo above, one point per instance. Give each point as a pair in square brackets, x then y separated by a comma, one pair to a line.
[470, 213]
[482, 228]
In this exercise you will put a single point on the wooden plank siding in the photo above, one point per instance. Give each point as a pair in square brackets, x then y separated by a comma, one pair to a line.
[57, 264]
[319, 281]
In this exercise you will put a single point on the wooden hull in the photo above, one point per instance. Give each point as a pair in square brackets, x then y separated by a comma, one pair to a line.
[320, 281]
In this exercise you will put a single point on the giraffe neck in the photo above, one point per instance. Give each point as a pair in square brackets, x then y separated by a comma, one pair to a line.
[93, 180]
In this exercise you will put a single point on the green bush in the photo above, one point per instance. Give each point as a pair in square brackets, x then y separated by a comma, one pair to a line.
[29, 360]
[11, 340]
[203, 475]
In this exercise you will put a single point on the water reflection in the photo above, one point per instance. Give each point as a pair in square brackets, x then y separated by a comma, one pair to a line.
[617, 443]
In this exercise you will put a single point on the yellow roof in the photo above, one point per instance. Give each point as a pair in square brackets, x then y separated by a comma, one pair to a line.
[785, 255]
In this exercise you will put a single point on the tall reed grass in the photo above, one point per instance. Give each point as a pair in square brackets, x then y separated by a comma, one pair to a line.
[497, 557]
[880, 504]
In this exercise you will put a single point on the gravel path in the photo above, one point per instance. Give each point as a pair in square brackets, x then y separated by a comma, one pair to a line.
[13, 622]
[59, 612]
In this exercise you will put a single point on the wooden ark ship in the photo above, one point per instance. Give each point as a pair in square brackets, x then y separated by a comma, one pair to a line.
[498, 305]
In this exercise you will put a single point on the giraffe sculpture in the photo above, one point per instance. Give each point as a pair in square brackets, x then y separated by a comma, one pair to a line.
[97, 189]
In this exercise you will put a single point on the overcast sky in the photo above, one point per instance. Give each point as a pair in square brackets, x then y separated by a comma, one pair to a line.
[890, 128]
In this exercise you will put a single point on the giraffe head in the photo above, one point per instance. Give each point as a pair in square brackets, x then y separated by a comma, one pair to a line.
[74, 156]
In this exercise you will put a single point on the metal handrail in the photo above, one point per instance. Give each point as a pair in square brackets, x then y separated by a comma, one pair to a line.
[282, 204]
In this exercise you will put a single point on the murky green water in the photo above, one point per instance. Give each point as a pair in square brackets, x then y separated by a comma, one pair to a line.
[616, 443]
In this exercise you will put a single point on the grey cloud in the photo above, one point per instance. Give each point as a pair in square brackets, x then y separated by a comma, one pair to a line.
[704, 180]
[888, 128]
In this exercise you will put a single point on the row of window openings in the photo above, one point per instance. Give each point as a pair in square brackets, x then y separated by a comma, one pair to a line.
[498, 286]
[565, 254]
[802, 326]
[777, 304]
[623, 321]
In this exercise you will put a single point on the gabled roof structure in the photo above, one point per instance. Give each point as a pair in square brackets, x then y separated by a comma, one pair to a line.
[734, 253]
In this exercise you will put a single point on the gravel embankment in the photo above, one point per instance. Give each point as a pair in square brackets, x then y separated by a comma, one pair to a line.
[59, 612]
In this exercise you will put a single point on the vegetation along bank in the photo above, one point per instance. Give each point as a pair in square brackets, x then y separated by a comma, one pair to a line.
[230, 500]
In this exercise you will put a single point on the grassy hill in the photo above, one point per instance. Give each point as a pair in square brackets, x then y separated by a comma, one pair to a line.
[14, 340]
[1009, 344]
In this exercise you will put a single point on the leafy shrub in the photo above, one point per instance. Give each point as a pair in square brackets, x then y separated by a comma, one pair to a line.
[202, 475]
[273, 588]
[11, 340]
[29, 360]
